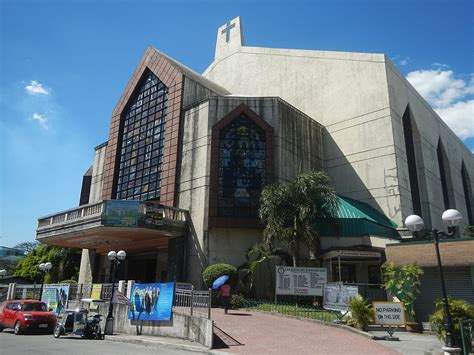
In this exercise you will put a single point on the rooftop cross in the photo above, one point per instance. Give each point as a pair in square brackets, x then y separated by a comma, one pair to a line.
[227, 29]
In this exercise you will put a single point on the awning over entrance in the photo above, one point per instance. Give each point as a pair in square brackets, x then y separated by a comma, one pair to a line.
[355, 218]
[130, 225]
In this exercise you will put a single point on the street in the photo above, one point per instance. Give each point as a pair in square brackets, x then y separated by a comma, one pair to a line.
[12, 344]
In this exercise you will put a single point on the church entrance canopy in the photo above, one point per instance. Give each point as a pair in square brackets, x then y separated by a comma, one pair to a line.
[355, 218]
[113, 224]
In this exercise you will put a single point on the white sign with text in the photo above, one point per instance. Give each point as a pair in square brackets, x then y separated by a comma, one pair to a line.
[300, 281]
[389, 313]
[337, 296]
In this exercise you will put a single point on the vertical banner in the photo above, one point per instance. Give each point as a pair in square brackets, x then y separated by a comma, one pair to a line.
[55, 296]
[151, 301]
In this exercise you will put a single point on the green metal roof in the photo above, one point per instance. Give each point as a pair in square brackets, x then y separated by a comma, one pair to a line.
[356, 218]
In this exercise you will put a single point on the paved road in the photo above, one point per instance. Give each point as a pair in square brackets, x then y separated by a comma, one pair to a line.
[11, 344]
[413, 343]
[259, 333]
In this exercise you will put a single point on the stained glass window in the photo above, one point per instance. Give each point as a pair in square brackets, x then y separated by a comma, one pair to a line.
[143, 133]
[241, 168]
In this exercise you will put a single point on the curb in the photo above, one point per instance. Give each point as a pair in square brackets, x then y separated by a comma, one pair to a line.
[157, 342]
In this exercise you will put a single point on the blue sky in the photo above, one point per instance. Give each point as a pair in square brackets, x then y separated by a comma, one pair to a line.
[64, 65]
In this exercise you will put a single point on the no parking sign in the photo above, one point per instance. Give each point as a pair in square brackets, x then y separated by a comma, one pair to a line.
[389, 313]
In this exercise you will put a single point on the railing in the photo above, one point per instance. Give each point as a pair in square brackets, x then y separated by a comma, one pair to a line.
[467, 336]
[192, 302]
[371, 292]
[72, 214]
[293, 309]
[3, 292]
[97, 209]
[27, 292]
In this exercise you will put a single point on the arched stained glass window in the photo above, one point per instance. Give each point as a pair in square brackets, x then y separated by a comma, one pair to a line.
[143, 134]
[241, 168]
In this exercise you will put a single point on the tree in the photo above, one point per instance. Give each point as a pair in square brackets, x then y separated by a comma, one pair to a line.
[65, 264]
[469, 231]
[26, 247]
[290, 211]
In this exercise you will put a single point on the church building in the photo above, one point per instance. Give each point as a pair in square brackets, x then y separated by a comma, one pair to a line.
[178, 182]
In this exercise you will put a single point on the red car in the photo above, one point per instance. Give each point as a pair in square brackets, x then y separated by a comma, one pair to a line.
[26, 315]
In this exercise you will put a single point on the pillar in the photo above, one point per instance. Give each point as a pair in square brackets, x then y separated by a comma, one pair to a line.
[86, 269]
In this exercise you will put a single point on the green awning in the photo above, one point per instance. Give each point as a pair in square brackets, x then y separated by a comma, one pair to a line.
[355, 218]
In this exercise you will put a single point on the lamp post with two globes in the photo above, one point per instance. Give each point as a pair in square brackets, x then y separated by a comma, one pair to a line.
[451, 218]
[44, 268]
[115, 259]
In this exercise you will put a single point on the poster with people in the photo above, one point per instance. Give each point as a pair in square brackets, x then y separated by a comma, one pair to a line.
[55, 296]
[151, 301]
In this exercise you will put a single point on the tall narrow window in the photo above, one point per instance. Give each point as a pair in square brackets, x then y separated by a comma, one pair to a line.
[141, 147]
[445, 176]
[241, 175]
[411, 160]
[466, 184]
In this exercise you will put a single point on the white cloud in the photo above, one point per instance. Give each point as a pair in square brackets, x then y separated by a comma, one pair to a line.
[451, 97]
[460, 117]
[36, 88]
[401, 61]
[42, 120]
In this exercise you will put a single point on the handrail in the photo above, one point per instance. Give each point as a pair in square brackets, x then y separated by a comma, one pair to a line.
[98, 208]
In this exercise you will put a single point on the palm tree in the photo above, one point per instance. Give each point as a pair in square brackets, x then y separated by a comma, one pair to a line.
[289, 212]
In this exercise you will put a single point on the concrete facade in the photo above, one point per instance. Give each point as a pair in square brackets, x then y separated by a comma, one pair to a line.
[360, 99]
[342, 113]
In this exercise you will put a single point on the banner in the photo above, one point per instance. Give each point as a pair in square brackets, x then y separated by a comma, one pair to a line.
[55, 296]
[300, 281]
[121, 213]
[151, 301]
[337, 296]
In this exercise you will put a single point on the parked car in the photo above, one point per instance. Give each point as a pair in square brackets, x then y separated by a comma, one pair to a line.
[26, 315]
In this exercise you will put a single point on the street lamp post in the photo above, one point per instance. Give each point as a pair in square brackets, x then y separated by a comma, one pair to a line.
[115, 259]
[451, 218]
[44, 268]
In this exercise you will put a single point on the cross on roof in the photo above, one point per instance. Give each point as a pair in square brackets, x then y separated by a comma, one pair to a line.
[227, 29]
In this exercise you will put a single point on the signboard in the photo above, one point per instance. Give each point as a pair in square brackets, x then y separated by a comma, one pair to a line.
[121, 213]
[55, 296]
[337, 296]
[96, 291]
[389, 313]
[300, 281]
[153, 215]
[151, 301]
[120, 298]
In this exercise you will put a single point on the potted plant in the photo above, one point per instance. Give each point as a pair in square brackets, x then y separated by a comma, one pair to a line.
[361, 313]
[403, 281]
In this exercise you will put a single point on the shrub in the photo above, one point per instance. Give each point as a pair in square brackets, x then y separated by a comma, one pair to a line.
[212, 272]
[236, 301]
[403, 282]
[459, 309]
[361, 313]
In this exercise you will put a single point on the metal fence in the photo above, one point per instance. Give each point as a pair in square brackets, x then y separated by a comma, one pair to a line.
[291, 308]
[467, 336]
[3, 292]
[192, 302]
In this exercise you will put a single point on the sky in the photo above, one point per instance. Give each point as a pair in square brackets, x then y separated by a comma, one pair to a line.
[64, 64]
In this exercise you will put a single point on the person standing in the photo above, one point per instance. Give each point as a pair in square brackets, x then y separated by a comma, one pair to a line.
[224, 293]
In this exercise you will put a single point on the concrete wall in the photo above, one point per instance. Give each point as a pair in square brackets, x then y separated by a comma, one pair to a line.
[347, 93]
[181, 326]
[98, 173]
[297, 148]
[430, 129]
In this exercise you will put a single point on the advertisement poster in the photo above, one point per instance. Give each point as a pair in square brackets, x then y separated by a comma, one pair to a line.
[55, 296]
[389, 313]
[300, 281]
[337, 296]
[121, 213]
[151, 301]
